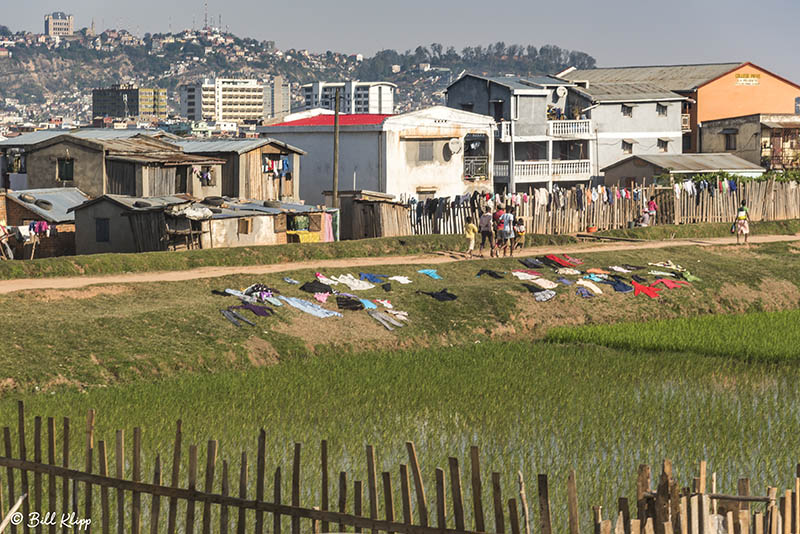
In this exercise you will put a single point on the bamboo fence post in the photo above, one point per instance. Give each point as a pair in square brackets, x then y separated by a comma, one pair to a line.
[513, 516]
[37, 476]
[372, 485]
[405, 494]
[523, 501]
[544, 505]
[276, 517]
[26, 507]
[357, 497]
[388, 498]
[89, 453]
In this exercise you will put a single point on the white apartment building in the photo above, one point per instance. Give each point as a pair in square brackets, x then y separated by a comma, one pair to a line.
[355, 97]
[59, 24]
[223, 99]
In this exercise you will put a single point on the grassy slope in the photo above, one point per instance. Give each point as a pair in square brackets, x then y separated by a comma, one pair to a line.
[119, 334]
[242, 256]
[704, 230]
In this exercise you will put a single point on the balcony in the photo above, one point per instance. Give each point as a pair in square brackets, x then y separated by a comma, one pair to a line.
[686, 122]
[503, 132]
[541, 171]
[476, 167]
[579, 128]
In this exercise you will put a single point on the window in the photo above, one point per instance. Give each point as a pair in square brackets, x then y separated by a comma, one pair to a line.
[101, 230]
[627, 111]
[730, 141]
[425, 151]
[663, 145]
[207, 175]
[66, 168]
[627, 147]
[661, 109]
[245, 225]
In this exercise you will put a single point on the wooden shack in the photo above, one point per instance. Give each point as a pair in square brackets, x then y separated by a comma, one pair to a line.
[366, 214]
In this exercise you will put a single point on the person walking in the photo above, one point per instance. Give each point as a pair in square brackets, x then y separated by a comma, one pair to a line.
[652, 209]
[507, 232]
[742, 222]
[470, 231]
[519, 231]
[487, 234]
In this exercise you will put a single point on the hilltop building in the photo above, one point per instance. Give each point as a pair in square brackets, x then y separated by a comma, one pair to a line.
[376, 98]
[59, 24]
[124, 100]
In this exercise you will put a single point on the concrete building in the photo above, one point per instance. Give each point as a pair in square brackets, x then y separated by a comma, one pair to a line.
[277, 98]
[354, 96]
[223, 99]
[713, 91]
[644, 169]
[141, 166]
[59, 24]
[256, 169]
[630, 118]
[542, 136]
[770, 140]
[123, 101]
[433, 152]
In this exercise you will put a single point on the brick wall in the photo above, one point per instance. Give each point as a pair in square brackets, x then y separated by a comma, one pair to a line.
[60, 244]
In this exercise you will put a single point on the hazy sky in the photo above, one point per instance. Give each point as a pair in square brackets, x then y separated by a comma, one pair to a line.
[615, 32]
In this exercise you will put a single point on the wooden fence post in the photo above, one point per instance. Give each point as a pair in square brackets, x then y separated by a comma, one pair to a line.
[477, 500]
[572, 504]
[211, 465]
[155, 503]
[422, 503]
[175, 480]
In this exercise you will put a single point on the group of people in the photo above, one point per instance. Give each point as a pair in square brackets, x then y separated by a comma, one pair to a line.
[499, 231]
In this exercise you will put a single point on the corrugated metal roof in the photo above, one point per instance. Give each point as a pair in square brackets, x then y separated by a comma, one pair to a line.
[61, 198]
[671, 77]
[778, 125]
[33, 138]
[619, 92]
[694, 163]
[522, 83]
[360, 119]
[239, 146]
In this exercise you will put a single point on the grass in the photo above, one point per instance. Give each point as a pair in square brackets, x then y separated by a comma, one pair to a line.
[756, 336]
[682, 231]
[533, 407]
[103, 264]
[105, 335]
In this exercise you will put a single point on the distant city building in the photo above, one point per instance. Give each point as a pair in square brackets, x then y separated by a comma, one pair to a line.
[59, 24]
[277, 98]
[223, 99]
[125, 100]
[355, 96]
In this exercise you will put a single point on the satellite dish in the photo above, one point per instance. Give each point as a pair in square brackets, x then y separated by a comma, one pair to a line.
[455, 145]
[561, 91]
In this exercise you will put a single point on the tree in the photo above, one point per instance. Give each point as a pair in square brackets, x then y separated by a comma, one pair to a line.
[436, 51]
[4, 31]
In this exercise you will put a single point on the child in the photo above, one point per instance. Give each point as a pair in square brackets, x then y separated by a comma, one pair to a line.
[470, 231]
[487, 233]
[519, 231]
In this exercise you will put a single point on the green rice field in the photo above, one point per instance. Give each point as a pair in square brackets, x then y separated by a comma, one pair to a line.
[538, 407]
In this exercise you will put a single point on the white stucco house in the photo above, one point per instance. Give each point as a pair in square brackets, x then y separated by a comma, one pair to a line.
[433, 152]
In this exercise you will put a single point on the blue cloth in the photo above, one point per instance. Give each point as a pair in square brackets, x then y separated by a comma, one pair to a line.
[565, 281]
[291, 281]
[732, 185]
[368, 304]
[309, 307]
[585, 293]
[374, 278]
[594, 278]
[274, 301]
[430, 272]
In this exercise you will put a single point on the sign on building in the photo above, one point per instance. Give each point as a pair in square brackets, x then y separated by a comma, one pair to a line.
[748, 79]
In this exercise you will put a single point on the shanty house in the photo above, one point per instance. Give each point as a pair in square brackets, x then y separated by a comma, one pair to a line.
[644, 169]
[770, 140]
[434, 152]
[140, 166]
[21, 208]
[265, 169]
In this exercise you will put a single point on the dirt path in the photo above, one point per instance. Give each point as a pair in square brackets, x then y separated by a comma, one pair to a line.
[74, 282]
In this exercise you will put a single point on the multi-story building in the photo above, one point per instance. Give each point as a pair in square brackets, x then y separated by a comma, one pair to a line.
[59, 24]
[354, 96]
[223, 99]
[542, 137]
[769, 140]
[277, 98]
[126, 100]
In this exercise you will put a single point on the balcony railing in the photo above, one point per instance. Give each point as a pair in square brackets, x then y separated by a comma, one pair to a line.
[476, 167]
[569, 128]
[503, 132]
[686, 122]
[541, 170]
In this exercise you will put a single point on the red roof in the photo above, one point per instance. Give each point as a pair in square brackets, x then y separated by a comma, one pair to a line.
[360, 119]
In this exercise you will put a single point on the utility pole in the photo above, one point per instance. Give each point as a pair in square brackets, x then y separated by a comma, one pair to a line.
[336, 151]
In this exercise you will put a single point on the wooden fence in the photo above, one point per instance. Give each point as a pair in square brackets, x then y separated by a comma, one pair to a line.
[767, 201]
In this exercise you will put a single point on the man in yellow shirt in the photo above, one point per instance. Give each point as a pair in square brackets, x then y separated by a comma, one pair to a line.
[470, 231]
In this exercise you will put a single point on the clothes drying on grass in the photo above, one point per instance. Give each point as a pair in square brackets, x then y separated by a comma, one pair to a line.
[595, 270]
[528, 271]
[667, 265]
[540, 295]
[235, 318]
[544, 283]
[352, 282]
[494, 274]
[257, 289]
[640, 279]
[531, 263]
[670, 284]
[570, 259]
[309, 307]
[274, 301]
[400, 279]
[522, 275]
[662, 273]
[368, 304]
[590, 285]
[387, 321]
[618, 269]
[639, 289]
[689, 277]
[261, 311]
[386, 287]
[385, 303]
[585, 293]
[568, 271]
[241, 296]
[325, 280]
[560, 261]
[564, 281]
[441, 296]
[374, 278]
[618, 285]
[633, 267]
[316, 287]
[322, 297]
[595, 277]
[349, 303]
[240, 317]
[399, 315]
[291, 281]
[430, 272]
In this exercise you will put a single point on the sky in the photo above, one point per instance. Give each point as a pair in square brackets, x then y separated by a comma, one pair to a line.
[615, 32]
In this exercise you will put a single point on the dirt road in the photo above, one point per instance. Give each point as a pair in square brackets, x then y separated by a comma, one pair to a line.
[74, 282]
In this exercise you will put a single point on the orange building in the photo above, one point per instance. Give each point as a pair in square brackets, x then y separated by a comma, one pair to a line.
[716, 91]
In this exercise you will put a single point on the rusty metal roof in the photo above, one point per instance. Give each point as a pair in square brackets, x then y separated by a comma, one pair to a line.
[627, 92]
[670, 77]
[693, 163]
[61, 200]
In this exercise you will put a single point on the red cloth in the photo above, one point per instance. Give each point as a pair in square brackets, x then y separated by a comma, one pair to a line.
[650, 291]
[560, 261]
[528, 271]
[670, 284]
